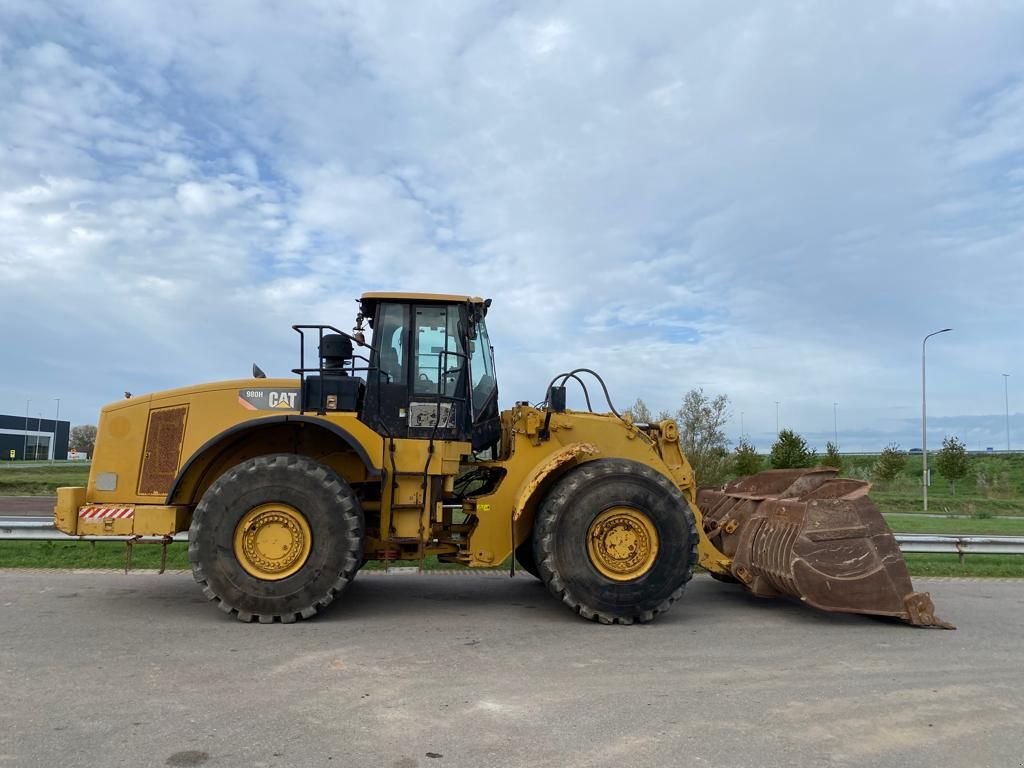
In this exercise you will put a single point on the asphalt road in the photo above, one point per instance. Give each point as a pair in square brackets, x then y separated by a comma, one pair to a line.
[102, 669]
[27, 505]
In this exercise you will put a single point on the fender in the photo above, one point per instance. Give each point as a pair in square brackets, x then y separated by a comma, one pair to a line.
[344, 434]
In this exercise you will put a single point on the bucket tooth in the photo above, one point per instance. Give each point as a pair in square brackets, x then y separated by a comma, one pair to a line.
[811, 535]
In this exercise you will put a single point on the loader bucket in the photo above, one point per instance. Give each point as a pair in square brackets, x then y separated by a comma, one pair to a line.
[814, 536]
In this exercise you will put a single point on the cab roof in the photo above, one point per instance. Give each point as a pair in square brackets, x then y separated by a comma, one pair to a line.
[368, 301]
[447, 298]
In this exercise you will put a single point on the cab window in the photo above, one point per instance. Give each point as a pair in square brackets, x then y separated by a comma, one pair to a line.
[438, 357]
[391, 330]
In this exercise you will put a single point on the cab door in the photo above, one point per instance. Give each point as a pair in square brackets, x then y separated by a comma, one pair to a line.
[419, 378]
[439, 404]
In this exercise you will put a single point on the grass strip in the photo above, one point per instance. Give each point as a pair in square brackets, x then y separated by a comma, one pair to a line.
[85, 554]
[973, 566]
[18, 479]
[969, 506]
[955, 526]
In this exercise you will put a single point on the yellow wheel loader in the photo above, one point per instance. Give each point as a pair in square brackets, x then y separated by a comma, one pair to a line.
[395, 449]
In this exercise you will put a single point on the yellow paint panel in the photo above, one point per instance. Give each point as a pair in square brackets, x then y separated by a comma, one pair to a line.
[65, 511]
[212, 409]
[160, 520]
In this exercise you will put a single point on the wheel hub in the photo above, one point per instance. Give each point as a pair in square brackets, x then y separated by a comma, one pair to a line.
[272, 541]
[622, 543]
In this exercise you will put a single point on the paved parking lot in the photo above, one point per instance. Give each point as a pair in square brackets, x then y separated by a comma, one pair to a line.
[102, 669]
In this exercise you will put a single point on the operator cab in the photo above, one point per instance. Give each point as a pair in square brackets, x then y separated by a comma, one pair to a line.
[431, 368]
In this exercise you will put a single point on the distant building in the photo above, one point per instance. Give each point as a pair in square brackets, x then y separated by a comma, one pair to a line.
[33, 438]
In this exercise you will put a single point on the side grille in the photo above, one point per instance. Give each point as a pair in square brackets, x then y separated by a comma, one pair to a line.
[163, 449]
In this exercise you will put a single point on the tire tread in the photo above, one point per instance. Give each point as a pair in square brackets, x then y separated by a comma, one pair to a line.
[309, 471]
[545, 534]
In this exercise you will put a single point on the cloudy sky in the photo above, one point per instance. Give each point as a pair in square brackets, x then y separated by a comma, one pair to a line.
[773, 201]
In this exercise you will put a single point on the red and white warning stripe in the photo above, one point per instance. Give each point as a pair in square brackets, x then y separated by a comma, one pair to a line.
[106, 513]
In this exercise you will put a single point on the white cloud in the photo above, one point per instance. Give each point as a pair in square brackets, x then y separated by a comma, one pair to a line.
[544, 39]
[176, 165]
[206, 199]
[772, 201]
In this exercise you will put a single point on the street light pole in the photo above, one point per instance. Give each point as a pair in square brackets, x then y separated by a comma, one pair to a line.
[835, 425]
[742, 431]
[776, 418]
[1006, 394]
[924, 417]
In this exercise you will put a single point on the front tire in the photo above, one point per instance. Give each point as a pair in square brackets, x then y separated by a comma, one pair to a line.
[616, 541]
[276, 538]
[526, 558]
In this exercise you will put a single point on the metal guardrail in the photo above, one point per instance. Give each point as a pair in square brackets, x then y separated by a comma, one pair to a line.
[961, 545]
[26, 528]
[41, 529]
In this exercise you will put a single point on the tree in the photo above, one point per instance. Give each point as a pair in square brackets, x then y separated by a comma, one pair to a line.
[832, 457]
[83, 439]
[701, 422]
[640, 412]
[953, 462]
[890, 462]
[746, 460]
[790, 451]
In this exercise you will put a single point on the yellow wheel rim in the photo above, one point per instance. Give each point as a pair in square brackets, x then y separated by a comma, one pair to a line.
[622, 543]
[273, 541]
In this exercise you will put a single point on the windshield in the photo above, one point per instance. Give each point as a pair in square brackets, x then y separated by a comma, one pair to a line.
[482, 367]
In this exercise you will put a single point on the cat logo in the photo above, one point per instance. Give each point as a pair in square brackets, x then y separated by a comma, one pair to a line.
[268, 399]
[284, 400]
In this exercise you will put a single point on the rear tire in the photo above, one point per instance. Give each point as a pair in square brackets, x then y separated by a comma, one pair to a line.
[306, 511]
[616, 541]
